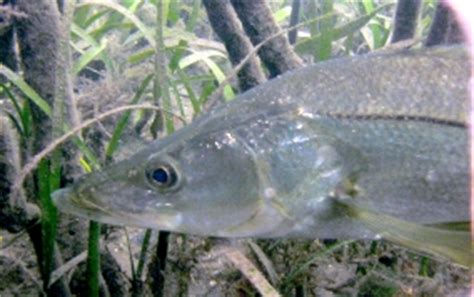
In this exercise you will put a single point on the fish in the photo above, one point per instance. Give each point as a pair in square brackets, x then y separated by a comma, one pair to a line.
[364, 147]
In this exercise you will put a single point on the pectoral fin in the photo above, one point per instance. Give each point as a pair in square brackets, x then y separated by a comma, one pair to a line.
[453, 226]
[438, 239]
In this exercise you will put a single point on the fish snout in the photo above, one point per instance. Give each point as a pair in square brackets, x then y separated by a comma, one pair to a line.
[60, 195]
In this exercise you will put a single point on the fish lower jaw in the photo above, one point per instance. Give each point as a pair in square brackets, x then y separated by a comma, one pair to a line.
[168, 223]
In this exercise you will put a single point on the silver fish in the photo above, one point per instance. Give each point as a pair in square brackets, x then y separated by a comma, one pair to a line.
[321, 152]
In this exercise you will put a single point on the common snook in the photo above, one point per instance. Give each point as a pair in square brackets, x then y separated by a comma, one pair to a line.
[350, 148]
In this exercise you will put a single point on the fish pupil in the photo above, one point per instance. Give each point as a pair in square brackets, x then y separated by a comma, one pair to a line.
[160, 175]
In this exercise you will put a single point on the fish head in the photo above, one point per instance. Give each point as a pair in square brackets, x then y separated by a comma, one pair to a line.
[191, 182]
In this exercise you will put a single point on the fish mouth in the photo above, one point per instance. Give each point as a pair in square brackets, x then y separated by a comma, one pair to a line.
[68, 201]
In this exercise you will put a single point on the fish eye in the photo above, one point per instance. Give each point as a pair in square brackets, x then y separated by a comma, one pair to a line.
[163, 176]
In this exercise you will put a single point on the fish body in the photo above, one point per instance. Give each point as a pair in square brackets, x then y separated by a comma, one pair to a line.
[386, 132]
